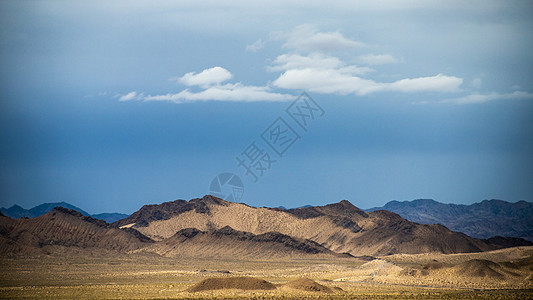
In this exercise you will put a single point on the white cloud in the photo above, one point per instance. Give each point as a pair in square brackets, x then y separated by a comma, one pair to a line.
[207, 77]
[209, 80]
[339, 81]
[226, 92]
[256, 46]
[437, 83]
[327, 81]
[130, 96]
[326, 74]
[318, 72]
[314, 71]
[307, 38]
[381, 59]
[319, 61]
[482, 98]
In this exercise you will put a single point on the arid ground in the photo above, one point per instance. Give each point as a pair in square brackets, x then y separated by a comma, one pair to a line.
[501, 274]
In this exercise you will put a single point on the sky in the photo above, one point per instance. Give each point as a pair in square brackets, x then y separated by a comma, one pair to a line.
[111, 105]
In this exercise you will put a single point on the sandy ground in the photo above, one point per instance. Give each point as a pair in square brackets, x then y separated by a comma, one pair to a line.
[88, 275]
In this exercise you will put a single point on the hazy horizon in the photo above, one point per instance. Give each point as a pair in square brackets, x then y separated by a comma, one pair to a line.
[110, 106]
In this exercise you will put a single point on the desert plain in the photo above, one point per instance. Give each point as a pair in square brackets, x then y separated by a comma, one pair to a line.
[83, 274]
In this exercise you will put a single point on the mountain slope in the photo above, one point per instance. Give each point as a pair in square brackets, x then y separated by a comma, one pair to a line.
[229, 243]
[67, 228]
[481, 220]
[340, 227]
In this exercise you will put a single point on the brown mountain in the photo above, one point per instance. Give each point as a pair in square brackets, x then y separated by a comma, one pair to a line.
[340, 227]
[230, 243]
[65, 228]
[212, 227]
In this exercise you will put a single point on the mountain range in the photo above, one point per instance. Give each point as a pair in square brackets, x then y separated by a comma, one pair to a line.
[17, 211]
[486, 219]
[212, 227]
[483, 220]
[64, 228]
[340, 227]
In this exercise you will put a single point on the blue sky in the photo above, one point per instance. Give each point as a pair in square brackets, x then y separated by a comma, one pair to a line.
[110, 105]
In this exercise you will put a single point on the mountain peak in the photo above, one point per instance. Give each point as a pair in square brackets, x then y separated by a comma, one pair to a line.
[67, 211]
[210, 199]
[167, 210]
[78, 215]
[14, 211]
[425, 201]
[345, 208]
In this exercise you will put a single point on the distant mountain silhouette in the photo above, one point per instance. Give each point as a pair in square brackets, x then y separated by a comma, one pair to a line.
[283, 207]
[17, 212]
[486, 219]
[340, 227]
[110, 217]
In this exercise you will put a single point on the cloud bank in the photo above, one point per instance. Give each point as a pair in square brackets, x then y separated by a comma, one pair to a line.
[210, 80]
[226, 92]
[317, 62]
[330, 75]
